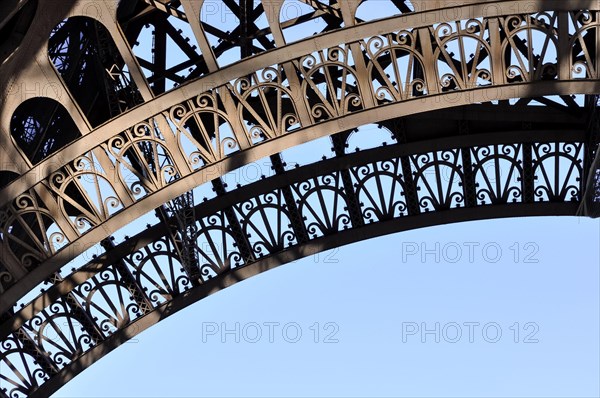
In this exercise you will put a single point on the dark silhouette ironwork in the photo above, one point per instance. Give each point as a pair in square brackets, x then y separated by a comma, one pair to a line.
[110, 112]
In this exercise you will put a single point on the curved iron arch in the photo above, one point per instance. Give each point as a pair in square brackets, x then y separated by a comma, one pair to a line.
[153, 280]
[139, 154]
[145, 190]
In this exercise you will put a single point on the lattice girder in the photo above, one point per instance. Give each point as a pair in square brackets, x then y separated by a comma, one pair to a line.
[158, 272]
[159, 142]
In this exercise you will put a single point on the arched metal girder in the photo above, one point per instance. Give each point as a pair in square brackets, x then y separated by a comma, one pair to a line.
[349, 77]
[434, 56]
[541, 175]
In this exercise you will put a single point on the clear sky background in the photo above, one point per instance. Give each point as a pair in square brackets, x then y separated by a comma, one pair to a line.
[534, 280]
[375, 292]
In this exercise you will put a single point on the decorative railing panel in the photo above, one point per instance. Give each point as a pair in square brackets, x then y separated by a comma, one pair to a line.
[289, 87]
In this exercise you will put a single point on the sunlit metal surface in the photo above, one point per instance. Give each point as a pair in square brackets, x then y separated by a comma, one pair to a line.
[112, 113]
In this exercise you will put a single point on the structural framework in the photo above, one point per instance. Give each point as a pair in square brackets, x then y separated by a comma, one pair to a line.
[117, 111]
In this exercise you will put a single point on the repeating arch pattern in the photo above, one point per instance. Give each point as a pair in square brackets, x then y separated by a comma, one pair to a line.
[397, 70]
[145, 274]
[39, 134]
[140, 153]
[98, 56]
[311, 89]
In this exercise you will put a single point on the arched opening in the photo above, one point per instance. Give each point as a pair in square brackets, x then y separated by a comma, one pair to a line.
[40, 127]
[87, 58]
[530, 63]
[368, 137]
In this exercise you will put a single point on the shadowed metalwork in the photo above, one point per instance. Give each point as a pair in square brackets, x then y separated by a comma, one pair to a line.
[132, 111]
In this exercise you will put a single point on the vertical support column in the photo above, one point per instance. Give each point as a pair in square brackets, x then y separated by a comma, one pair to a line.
[339, 143]
[469, 185]
[410, 190]
[431, 78]
[78, 313]
[241, 240]
[12, 264]
[590, 184]
[362, 74]
[498, 75]
[596, 49]
[272, 10]
[86, 321]
[129, 281]
[179, 233]
[49, 200]
[246, 6]
[193, 16]
[295, 217]
[298, 96]
[112, 173]
[528, 177]
[182, 164]
[226, 95]
[159, 56]
[564, 53]
[108, 19]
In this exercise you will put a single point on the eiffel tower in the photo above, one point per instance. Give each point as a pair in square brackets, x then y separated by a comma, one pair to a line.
[120, 121]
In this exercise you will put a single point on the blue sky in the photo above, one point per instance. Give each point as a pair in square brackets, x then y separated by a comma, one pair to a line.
[534, 280]
[375, 295]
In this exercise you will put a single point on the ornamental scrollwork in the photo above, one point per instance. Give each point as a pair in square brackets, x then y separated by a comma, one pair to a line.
[396, 66]
[112, 293]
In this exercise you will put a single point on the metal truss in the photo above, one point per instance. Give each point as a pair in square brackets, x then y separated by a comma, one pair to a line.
[480, 100]
[389, 201]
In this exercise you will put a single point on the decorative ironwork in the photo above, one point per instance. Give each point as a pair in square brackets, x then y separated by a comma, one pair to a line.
[102, 147]
[112, 302]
